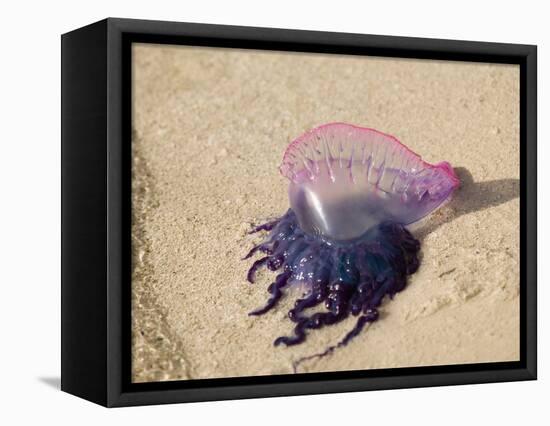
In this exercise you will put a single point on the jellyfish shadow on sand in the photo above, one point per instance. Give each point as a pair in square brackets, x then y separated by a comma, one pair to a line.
[470, 197]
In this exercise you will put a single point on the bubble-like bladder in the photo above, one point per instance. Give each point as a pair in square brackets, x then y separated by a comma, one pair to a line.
[344, 240]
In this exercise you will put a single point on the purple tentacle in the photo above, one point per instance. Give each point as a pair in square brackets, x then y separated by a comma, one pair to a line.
[315, 298]
[263, 247]
[276, 293]
[268, 226]
[369, 317]
[254, 268]
[298, 337]
[336, 301]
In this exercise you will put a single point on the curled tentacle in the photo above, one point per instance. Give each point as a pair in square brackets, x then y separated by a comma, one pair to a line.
[268, 226]
[298, 337]
[369, 317]
[314, 299]
[254, 268]
[276, 293]
[253, 251]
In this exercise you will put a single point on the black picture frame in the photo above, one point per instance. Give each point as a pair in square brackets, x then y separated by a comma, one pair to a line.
[96, 207]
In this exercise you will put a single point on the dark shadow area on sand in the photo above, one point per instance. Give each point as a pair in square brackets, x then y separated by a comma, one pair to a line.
[470, 197]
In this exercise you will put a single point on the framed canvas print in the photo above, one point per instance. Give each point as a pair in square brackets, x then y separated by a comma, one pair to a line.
[252, 212]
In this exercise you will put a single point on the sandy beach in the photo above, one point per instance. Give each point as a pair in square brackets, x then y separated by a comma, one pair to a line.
[210, 127]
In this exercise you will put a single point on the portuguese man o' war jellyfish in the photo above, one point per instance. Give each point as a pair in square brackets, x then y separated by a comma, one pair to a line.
[344, 240]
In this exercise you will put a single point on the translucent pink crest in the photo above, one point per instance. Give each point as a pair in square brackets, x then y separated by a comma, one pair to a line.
[346, 179]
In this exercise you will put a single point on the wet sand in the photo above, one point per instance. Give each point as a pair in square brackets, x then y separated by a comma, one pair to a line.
[210, 129]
